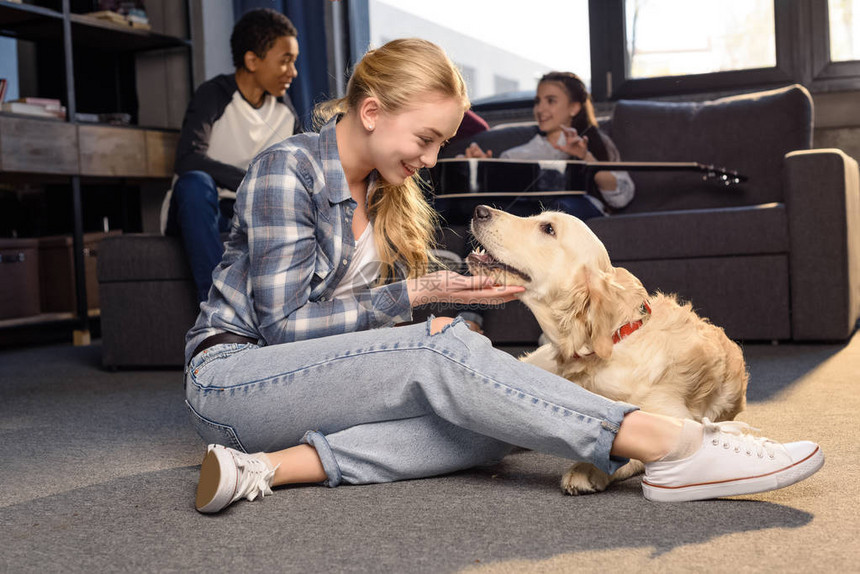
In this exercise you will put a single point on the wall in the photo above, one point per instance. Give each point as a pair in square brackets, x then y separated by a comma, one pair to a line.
[837, 121]
[211, 26]
[163, 76]
[9, 66]
[483, 66]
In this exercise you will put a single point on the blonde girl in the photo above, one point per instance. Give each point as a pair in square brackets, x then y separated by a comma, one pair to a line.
[293, 358]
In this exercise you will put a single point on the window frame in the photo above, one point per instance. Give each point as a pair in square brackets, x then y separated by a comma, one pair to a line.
[826, 74]
[802, 56]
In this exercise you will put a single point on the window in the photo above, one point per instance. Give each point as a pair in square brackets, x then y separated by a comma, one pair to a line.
[652, 48]
[835, 40]
[499, 48]
[844, 23]
[628, 48]
[706, 36]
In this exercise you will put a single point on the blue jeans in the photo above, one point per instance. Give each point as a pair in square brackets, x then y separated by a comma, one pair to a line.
[199, 219]
[396, 403]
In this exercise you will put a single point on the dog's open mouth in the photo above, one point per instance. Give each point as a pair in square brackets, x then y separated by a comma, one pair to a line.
[482, 262]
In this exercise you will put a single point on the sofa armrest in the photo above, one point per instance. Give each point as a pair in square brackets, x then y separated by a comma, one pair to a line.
[822, 198]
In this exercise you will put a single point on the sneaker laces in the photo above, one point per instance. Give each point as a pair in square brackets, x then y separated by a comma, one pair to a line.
[255, 478]
[739, 435]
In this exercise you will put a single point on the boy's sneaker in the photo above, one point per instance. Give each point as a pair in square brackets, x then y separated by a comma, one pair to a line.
[731, 461]
[227, 475]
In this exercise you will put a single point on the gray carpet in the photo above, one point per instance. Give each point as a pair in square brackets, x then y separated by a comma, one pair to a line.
[98, 471]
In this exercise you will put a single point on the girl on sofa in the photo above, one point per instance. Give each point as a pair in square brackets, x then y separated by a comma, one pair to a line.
[293, 358]
[568, 131]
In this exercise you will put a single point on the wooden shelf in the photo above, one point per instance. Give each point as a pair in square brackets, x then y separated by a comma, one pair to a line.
[43, 319]
[47, 327]
[29, 22]
[89, 65]
[101, 34]
[44, 146]
[40, 145]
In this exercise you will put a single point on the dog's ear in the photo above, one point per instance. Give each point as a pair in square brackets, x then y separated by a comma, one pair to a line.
[601, 316]
[585, 318]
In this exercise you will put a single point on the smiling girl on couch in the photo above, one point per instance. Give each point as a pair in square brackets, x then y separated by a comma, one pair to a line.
[568, 131]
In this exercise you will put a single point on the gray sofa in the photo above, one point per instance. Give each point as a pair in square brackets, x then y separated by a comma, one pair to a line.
[776, 258]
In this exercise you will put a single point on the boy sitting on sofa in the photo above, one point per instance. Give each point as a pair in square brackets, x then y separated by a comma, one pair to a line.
[230, 119]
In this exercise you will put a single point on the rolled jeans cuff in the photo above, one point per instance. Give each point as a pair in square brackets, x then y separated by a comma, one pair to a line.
[332, 470]
[609, 430]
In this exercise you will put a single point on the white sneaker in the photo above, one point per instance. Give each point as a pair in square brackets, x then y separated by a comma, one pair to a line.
[731, 461]
[227, 475]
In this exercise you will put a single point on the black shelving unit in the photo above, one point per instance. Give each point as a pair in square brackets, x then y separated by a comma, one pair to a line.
[86, 62]
[29, 22]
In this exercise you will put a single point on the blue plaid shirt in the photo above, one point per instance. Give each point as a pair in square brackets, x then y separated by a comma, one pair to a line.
[290, 244]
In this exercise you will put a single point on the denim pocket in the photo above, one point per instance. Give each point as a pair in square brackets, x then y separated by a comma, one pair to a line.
[201, 362]
[212, 432]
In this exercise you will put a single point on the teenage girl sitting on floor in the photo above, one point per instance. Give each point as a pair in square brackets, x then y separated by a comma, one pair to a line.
[293, 358]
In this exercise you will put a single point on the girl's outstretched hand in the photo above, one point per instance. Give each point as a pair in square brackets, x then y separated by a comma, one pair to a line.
[450, 287]
[475, 151]
[575, 146]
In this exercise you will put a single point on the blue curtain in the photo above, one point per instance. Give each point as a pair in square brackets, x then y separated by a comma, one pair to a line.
[311, 86]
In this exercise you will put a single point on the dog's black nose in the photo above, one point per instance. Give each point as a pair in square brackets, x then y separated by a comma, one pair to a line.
[483, 212]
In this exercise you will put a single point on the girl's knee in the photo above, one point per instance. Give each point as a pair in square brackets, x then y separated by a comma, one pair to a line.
[439, 323]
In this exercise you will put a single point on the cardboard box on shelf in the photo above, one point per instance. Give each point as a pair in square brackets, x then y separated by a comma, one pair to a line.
[57, 271]
[19, 278]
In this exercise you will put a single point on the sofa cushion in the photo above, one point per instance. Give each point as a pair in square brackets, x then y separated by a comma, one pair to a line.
[747, 296]
[750, 133]
[755, 230]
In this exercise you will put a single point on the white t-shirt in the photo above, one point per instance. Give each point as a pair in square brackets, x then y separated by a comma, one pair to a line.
[539, 148]
[364, 267]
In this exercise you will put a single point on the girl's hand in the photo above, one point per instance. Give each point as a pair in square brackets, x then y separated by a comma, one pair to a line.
[575, 145]
[474, 150]
[450, 287]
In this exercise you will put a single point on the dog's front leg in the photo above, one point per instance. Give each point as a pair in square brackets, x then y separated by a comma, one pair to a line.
[543, 357]
[584, 478]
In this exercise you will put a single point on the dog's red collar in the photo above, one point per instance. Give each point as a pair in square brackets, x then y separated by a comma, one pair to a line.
[629, 328]
[625, 330]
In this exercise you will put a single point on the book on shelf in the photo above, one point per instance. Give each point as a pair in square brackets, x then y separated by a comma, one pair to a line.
[26, 109]
[136, 20]
[86, 118]
[115, 119]
[108, 15]
[50, 103]
[3, 83]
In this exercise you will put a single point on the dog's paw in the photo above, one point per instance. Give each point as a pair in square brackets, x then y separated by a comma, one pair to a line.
[584, 478]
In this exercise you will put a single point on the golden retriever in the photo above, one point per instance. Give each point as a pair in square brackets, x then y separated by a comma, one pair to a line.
[605, 332]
